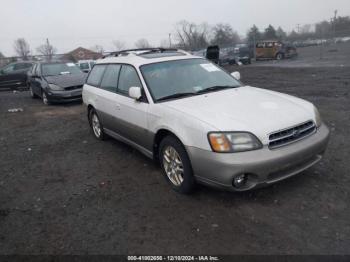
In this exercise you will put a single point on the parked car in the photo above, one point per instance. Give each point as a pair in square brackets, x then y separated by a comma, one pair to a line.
[56, 82]
[243, 54]
[275, 50]
[213, 54]
[86, 65]
[235, 55]
[201, 123]
[14, 75]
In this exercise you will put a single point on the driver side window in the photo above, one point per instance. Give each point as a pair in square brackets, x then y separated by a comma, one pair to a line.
[128, 78]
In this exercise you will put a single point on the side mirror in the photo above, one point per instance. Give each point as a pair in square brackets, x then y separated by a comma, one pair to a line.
[236, 75]
[135, 92]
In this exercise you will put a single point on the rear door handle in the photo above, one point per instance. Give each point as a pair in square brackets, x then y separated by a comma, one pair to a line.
[117, 106]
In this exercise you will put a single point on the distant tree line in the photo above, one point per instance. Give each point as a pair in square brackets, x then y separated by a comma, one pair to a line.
[337, 27]
[191, 36]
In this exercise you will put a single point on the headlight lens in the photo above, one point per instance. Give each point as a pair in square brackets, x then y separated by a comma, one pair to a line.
[55, 87]
[230, 142]
[318, 119]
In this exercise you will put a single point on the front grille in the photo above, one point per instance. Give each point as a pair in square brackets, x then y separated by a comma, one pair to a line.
[73, 87]
[290, 135]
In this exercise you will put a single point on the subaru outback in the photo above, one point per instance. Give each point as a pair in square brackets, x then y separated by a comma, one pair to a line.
[200, 122]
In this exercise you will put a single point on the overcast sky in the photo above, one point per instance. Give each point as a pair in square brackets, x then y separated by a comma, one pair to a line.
[72, 23]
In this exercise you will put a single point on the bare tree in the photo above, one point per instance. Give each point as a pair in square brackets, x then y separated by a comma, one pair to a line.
[98, 49]
[119, 45]
[224, 35]
[142, 43]
[22, 48]
[191, 36]
[2, 59]
[47, 50]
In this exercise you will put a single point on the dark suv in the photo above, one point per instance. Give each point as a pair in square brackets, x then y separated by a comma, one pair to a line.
[56, 82]
[14, 75]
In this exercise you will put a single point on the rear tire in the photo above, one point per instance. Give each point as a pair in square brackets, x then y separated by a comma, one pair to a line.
[96, 125]
[176, 165]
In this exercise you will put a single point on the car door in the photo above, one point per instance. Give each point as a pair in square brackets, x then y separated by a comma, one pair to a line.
[105, 95]
[35, 80]
[30, 74]
[8, 76]
[21, 70]
[131, 115]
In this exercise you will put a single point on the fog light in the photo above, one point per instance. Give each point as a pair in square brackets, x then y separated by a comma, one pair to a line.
[240, 180]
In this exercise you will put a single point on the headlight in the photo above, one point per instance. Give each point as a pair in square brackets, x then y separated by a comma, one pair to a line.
[230, 142]
[318, 119]
[55, 87]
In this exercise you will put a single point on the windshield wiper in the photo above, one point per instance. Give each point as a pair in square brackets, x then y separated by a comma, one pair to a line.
[214, 88]
[177, 95]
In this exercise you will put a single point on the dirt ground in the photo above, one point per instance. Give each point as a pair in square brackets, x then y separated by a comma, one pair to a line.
[64, 192]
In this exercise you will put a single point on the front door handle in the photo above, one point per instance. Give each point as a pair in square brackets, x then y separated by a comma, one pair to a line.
[117, 106]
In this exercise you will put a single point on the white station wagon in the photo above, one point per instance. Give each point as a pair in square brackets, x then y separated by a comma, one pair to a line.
[201, 123]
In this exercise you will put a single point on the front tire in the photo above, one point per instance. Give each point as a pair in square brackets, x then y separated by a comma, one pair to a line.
[176, 165]
[96, 125]
[32, 94]
[279, 56]
[45, 99]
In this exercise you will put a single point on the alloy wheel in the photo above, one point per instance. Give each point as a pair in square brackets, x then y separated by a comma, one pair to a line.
[96, 127]
[45, 100]
[173, 166]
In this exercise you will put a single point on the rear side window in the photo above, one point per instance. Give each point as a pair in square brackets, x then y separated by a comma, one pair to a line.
[128, 78]
[84, 66]
[110, 78]
[95, 75]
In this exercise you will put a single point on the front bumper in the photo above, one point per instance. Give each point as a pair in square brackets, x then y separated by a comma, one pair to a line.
[65, 96]
[263, 167]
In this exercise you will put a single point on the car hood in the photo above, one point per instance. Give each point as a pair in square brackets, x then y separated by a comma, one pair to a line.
[246, 109]
[67, 80]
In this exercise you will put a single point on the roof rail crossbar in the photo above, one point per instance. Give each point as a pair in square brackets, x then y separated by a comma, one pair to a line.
[147, 51]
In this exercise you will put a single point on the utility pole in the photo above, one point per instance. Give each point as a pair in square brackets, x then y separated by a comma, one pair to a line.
[298, 28]
[334, 21]
[169, 40]
[254, 39]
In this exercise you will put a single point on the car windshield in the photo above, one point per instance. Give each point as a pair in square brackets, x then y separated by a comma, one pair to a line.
[187, 77]
[60, 69]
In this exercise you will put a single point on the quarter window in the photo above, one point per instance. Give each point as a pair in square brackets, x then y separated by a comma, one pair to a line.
[95, 75]
[110, 78]
[128, 78]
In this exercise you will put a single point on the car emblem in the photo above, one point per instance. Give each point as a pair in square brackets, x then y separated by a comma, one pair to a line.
[296, 133]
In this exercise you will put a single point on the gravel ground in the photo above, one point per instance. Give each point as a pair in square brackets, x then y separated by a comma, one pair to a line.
[64, 192]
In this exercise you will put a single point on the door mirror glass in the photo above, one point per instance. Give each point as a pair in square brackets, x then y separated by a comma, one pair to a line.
[236, 75]
[135, 92]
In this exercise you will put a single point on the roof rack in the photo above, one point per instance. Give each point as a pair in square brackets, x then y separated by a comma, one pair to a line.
[149, 50]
